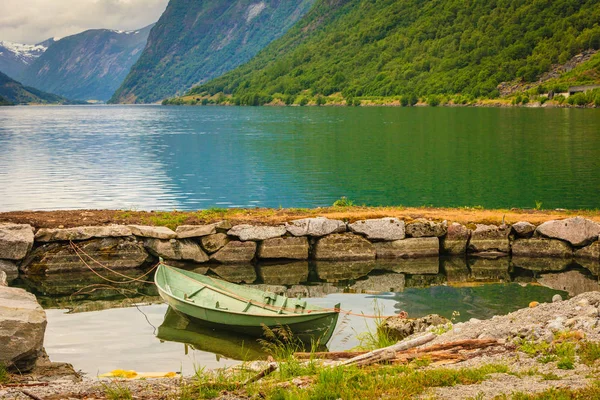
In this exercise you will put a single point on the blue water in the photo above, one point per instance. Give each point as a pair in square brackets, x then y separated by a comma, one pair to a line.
[152, 157]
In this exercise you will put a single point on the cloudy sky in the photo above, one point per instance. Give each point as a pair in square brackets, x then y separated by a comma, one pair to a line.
[32, 21]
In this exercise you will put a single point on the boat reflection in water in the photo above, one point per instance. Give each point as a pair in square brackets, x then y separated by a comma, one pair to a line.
[198, 335]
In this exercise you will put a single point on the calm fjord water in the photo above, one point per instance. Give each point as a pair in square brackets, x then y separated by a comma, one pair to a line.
[151, 157]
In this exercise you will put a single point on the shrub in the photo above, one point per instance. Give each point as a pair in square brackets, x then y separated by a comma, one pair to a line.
[303, 101]
[433, 101]
[343, 202]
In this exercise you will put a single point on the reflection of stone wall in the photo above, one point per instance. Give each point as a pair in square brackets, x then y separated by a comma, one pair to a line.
[233, 252]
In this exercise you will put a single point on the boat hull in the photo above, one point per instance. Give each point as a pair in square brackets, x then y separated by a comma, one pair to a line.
[223, 309]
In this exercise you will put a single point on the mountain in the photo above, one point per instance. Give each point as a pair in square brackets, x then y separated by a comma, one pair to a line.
[16, 57]
[194, 41]
[365, 48]
[14, 92]
[4, 102]
[88, 66]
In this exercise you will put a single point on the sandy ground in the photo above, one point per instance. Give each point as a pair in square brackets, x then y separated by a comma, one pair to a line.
[71, 218]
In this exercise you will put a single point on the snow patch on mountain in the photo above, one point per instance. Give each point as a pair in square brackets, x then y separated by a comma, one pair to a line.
[254, 10]
[24, 52]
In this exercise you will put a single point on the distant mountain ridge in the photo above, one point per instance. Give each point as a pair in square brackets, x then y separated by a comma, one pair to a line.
[87, 66]
[16, 93]
[195, 41]
[16, 57]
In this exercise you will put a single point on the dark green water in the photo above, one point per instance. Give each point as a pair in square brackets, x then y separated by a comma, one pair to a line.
[188, 158]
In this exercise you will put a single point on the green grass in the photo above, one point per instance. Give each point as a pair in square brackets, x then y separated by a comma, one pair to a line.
[343, 202]
[117, 391]
[588, 393]
[4, 375]
[565, 349]
[589, 352]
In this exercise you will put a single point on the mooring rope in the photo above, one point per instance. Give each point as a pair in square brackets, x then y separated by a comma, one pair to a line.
[223, 290]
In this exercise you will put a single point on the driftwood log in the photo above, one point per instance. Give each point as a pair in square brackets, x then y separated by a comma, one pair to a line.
[404, 352]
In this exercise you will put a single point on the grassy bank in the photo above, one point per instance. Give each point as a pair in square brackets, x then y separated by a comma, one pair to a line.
[264, 216]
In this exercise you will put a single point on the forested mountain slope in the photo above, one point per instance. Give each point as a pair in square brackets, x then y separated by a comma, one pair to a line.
[88, 66]
[14, 92]
[198, 40]
[414, 47]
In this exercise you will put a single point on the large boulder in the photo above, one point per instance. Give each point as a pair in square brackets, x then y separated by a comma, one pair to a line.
[409, 248]
[490, 238]
[235, 252]
[22, 327]
[10, 269]
[16, 241]
[284, 274]
[456, 240]
[379, 229]
[154, 232]
[256, 233]
[344, 247]
[293, 248]
[541, 248]
[315, 227]
[194, 231]
[82, 233]
[591, 252]
[426, 228]
[578, 231]
[115, 253]
[215, 242]
[523, 229]
[176, 250]
[399, 328]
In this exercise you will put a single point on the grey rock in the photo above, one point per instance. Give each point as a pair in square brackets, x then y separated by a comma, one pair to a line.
[556, 298]
[235, 252]
[541, 248]
[556, 325]
[215, 242]
[115, 253]
[456, 240]
[194, 231]
[10, 269]
[409, 248]
[316, 227]
[16, 241]
[22, 328]
[486, 238]
[243, 273]
[3, 281]
[523, 229]
[401, 328]
[426, 228]
[256, 233]
[344, 247]
[176, 249]
[578, 231]
[284, 274]
[293, 248]
[155, 232]
[379, 229]
[82, 233]
[591, 252]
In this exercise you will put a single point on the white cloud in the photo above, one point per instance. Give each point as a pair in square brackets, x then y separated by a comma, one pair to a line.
[32, 21]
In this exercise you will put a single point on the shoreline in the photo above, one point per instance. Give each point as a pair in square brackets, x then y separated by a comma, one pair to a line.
[268, 216]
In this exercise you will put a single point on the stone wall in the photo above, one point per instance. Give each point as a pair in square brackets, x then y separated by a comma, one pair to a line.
[408, 246]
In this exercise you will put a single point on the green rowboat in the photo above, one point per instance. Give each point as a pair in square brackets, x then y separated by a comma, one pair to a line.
[225, 305]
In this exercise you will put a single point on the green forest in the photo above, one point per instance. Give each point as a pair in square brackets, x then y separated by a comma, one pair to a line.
[413, 49]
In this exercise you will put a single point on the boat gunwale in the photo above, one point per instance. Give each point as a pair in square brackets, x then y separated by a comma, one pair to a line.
[275, 315]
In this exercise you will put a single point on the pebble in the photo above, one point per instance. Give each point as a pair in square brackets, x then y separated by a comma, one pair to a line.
[583, 303]
[556, 298]
[556, 325]
[533, 304]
